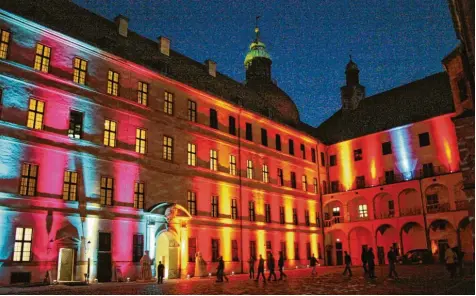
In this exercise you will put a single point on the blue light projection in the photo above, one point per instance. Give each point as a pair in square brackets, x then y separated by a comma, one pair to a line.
[10, 154]
[402, 147]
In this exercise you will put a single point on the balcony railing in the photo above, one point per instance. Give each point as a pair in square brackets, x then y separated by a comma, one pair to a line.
[438, 208]
[410, 212]
[396, 178]
[462, 205]
[390, 214]
[333, 220]
[358, 218]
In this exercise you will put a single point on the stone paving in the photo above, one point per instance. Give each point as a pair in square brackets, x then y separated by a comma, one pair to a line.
[420, 279]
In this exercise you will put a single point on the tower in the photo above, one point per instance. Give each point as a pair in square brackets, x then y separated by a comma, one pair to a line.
[257, 60]
[351, 93]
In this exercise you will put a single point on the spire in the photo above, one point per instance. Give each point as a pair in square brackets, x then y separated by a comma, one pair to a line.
[257, 29]
[258, 61]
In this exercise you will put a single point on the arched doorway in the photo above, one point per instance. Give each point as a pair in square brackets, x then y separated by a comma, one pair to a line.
[437, 199]
[358, 209]
[412, 236]
[442, 234]
[336, 245]
[384, 206]
[409, 202]
[360, 239]
[465, 238]
[167, 251]
[386, 236]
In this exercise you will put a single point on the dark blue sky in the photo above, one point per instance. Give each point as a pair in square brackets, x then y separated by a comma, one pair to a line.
[393, 42]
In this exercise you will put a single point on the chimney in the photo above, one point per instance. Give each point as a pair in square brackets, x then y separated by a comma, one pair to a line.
[164, 45]
[122, 23]
[211, 67]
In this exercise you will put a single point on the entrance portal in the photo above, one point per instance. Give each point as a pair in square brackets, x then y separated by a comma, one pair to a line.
[66, 265]
[167, 251]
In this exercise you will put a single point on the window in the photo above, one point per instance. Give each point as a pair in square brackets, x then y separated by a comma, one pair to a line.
[192, 111]
[333, 160]
[192, 202]
[295, 216]
[191, 154]
[318, 220]
[141, 140]
[251, 211]
[306, 218]
[462, 89]
[264, 137]
[304, 182]
[315, 185]
[269, 246]
[168, 148]
[296, 251]
[249, 169]
[428, 170]
[432, 199]
[4, 43]
[112, 83]
[324, 187]
[75, 130]
[70, 185]
[139, 194]
[291, 147]
[231, 125]
[137, 247]
[283, 250]
[363, 211]
[308, 250]
[281, 215]
[107, 191]
[29, 177]
[215, 212]
[267, 212]
[303, 151]
[360, 182]
[278, 142]
[391, 208]
[42, 58]
[36, 111]
[234, 209]
[334, 186]
[142, 93]
[280, 177]
[168, 103]
[389, 177]
[249, 132]
[232, 165]
[357, 154]
[192, 249]
[323, 159]
[293, 179]
[234, 250]
[387, 148]
[253, 249]
[265, 173]
[213, 119]
[80, 68]
[313, 155]
[336, 212]
[424, 139]
[213, 160]
[22, 249]
[215, 250]
[110, 128]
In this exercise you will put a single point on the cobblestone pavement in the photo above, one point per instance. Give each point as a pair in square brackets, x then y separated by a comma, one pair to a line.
[421, 279]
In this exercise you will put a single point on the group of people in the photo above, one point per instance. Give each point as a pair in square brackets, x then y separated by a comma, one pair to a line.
[368, 263]
[271, 264]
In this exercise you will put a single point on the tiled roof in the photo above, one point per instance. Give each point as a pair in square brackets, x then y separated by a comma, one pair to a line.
[412, 102]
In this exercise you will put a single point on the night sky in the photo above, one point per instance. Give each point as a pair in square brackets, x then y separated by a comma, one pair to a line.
[393, 42]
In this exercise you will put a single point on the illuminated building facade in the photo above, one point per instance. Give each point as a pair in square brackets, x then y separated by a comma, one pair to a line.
[112, 144]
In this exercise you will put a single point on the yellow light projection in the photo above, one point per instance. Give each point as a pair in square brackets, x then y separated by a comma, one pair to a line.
[373, 169]
[290, 244]
[184, 245]
[226, 243]
[258, 197]
[313, 241]
[344, 151]
[261, 242]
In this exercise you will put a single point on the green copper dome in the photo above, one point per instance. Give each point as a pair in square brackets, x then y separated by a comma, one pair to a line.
[257, 50]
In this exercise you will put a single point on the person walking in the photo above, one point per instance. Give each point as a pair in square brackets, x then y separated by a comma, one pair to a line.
[251, 264]
[450, 257]
[313, 264]
[371, 263]
[363, 257]
[348, 262]
[282, 275]
[271, 266]
[260, 269]
[160, 273]
[392, 261]
[459, 260]
[221, 270]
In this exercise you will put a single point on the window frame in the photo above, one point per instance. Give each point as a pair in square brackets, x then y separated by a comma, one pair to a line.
[291, 147]
[293, 180]
[139, 195]
[215, 210]
[137, 247]
[142, 93]
[234, 209]
[278, 142]
[79, 73]
[280, 177]
[70, 186]
[265, 173]
[22, 242]
[168, 148]
[387, 148]
[213, 118]
[232, 164]
[304, 182]
[4, 45]
[264, 137]
[249, 131]
[73, 132]
[113, 83]
[332, 160]
[213, 160]
[358, 154]
[303, 151]
[141, 141]
[192, 202]
[267, 213]
[42, 60]
[169, 102]
[249, 169]
[36, 113]
[103, 198]
[363, 211]
[108, 132]
[425, 138]
[232, 125]
[29, 190]
[192, 110]
[295, 217]
[191, 154]
[251, 211]
[282, 215]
